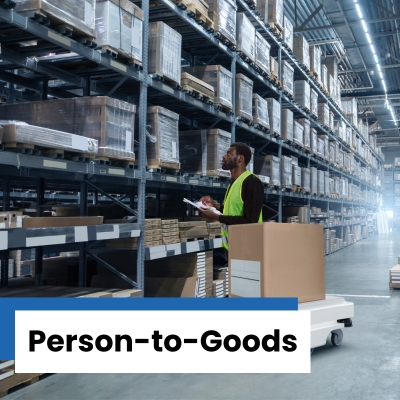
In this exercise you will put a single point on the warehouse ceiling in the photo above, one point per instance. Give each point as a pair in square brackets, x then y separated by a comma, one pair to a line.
[338, 28]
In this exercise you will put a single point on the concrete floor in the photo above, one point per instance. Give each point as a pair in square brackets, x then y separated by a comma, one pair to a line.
[365, 366]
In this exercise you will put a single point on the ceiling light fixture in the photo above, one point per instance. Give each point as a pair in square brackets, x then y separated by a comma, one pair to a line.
[365, 27]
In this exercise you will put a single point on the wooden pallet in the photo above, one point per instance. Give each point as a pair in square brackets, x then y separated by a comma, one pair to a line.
[17, 381]
[120, 55]
[194, 239]
[245, 118]
[168, 165]
[260, 125]
[297, 188]
[226, 109]
[274, 79]
[197, 88]
[226, 41]
[84, 35]
[334, 196]
[277, 30]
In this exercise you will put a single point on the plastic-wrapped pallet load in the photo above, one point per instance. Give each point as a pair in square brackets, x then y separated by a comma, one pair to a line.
[244, 96]
[262, 56]
[306, 132]
[315, 61]
[111, 122]
[287, 32]
[337, 153]
[274, 66]
[306, 180]
[268, 166]
[296, 175]
[274, 113]
[245, 36]
[314, 103]
[323, 113]
[219, 78]
[287, 77]
[250, 165]
[223, 14]
[326, 184]
[165, 47]
[321, 183]
[298, 134]
[301, 49]
[332, 66]
[341, 159]
[286, 172]
[119, 26]
[332, 152]
[164, 151]
[313, 180]
[275, 13]
[77, 14]
[314, 141]
[331, 86]
[349, 106]
[320, 147]
[20, 132]
[324, 73]
[201, 151]
[325, 138]
[262, 9]
[260, 112]
[287, 125]
[302, 93]
[331, 121]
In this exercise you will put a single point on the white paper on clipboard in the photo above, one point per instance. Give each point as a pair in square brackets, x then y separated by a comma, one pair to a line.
[193, 204]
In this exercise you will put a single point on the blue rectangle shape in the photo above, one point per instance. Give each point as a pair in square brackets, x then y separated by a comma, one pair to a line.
[8, 306]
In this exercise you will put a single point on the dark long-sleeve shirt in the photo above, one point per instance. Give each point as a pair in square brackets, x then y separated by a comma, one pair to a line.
[253, 197]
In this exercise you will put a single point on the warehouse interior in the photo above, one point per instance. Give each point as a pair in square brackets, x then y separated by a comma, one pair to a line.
[114, 111]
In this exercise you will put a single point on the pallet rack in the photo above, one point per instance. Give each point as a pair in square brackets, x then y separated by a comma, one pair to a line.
[102, 75]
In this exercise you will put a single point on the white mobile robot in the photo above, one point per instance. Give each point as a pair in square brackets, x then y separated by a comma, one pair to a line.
[328, 316]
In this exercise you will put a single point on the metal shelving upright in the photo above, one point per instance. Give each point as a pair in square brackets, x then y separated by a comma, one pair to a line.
[103, 75]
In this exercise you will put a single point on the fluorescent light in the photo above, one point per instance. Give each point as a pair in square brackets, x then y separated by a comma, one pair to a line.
[379, 68]
[376, 58]
[380, 74]
[372, 48]
[359, 11]
[368, 38]
[384, 85]
[364, 26]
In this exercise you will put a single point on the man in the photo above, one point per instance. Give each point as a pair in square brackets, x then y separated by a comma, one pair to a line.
[244, 197]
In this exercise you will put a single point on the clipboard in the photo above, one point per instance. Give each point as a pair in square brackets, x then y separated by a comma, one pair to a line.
[193, 204]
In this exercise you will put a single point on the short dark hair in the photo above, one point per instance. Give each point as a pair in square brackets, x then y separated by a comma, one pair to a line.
[243, 150]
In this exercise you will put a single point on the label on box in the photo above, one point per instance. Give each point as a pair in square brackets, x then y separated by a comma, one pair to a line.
[128, 143]
[137, 30]
[174, 150]
[88, 13]
[171, 179]
[79, 143]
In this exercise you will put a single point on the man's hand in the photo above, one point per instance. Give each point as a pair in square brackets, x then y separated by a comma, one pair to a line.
[209, 214]
[208, 201]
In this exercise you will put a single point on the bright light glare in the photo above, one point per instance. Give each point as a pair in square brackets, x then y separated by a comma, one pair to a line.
[364, 26]
[389, 213]
[359, 11]
[368, 38]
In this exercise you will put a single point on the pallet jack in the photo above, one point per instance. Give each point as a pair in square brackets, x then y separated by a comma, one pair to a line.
[328, 316]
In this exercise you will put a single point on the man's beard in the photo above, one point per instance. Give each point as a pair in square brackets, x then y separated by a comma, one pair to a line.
[227, 166]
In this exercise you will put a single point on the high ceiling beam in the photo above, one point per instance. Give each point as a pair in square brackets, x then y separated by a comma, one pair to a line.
[334, 26]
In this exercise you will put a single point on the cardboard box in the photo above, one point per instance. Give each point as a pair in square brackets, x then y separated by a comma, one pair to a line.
[42, 222]
[163, 125]
[75, 13]
[223, 14]
[244, 95]
[165, 47]
[261, 266]
[110, 121]
[245, 36]
[262, 49]
[201, 151]
[219, 78]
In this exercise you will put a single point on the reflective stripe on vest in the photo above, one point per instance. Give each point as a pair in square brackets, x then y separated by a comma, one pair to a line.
[233, 204]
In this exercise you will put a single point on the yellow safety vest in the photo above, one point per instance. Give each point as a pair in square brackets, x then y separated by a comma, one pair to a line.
[233, 204]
